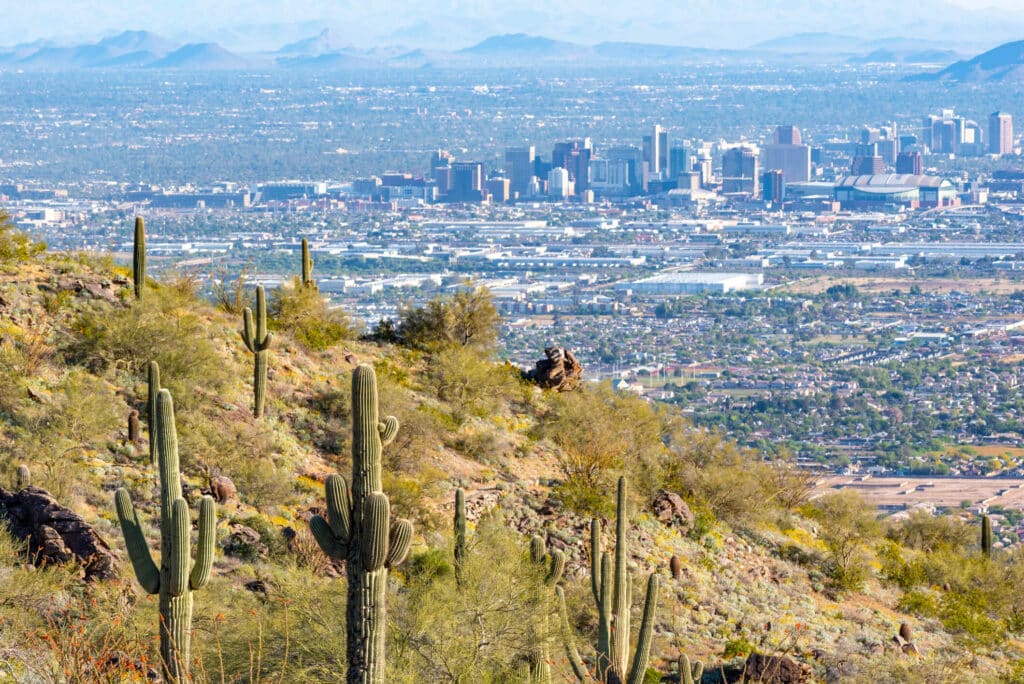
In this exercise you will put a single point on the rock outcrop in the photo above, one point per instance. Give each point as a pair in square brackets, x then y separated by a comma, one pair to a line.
[560, 371]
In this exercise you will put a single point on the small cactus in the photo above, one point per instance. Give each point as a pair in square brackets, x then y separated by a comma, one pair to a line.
[307, 266]
[905, 632]
[24, 476]
[676, 567]
[689, 674]
[257, 341]
[611, 587]
[133, 426]
[174, 580]
[359, 530]
[139, 257]
[986, 536]
[459, 524]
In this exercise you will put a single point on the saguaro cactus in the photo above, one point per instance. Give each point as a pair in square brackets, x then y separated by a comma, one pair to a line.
[611, 590]
[688, 674]
[359, 530]
[133, 426]
[459, 524]
[307, 266]
[986, 536]
[553, 564]
[139, 257]
[172, 580]
[257, 341]
[24, 476]
[154, 390]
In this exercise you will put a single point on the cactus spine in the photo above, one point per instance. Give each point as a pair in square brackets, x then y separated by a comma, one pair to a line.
[611, 590]
[359, 530]
[460, 534]
[307, 266]
[986, 536]
[139, 257]
[689, 674]
[153, 392]
[173, 580]
[257, 341]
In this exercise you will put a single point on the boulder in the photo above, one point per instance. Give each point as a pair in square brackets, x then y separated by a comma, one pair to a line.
[776, 670]
[560, 371]
[55, 534]
[670, 510]
[223, 489]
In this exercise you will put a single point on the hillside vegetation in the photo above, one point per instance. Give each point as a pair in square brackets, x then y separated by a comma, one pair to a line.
[742, 562]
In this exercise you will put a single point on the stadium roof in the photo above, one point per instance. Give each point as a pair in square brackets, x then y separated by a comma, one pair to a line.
[891, 181]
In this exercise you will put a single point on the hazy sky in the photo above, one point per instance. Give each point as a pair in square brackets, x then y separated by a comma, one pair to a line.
[257, 24]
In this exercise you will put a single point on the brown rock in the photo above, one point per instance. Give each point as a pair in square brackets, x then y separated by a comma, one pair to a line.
[676, 566]
[560, 371]
[776, 670]
[223, 489]
[670, 509]
[55, 534]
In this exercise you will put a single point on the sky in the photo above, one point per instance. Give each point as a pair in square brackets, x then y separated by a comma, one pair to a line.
[266, 24]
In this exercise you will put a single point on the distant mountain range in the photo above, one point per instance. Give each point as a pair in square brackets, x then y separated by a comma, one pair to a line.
[1004, 63]
[327, 51]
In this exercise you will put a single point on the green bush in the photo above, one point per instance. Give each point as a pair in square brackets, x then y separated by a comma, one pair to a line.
[16, 246]
[467, 318]
[303, 313]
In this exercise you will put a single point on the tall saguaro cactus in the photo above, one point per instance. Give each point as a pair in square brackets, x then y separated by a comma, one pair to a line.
[553, 564]
[611, 589]
[257, 341]
[139, 257]
[986, 536]
[173, 580]
[307, 266]
[359, 530]
[459, 523]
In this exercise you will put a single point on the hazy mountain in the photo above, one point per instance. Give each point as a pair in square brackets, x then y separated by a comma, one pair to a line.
[322, 43]
[811, 42]
[202, 56]
[905, 57]
[128, 42]
[521, 46]
[128, 48]
[1003, 63]
[329, 60]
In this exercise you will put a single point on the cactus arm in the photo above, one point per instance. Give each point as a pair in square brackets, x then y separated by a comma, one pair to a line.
[595, 560]
[538, 549]
[643, 644]
[153, 391]
[138, 551]
[248, 337]
[205, 544]
[604, 623]
[685, 672]
[339, 507]
[400, 539]
[556, 568]
[324, 536]
[698, 671]
[376, 525]
[261, 316]
[578, 667]
[388, 428]
[178, 563]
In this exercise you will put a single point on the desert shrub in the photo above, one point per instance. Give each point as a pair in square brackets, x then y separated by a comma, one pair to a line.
[231, 295]
[165, 328]
[476, 631]
[16, 246]
[926, 532]
[847, 525]
[472, 386]
[303, 313]
[601, 435]
[467, 318]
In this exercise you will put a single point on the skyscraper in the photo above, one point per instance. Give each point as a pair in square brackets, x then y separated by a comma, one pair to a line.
[793, 160]
[656, 151]
[773, 187]
[519, 163]
[466, 182]
[678, 161]
[574, 156]
[787, 135]
[910, 162]
[1000, 133]
[559, 184]
[867, 161]
[740, 171]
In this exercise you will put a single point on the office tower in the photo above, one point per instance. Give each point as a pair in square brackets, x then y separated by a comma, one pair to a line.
[559, 185]
[574, 156]
[499, 189]
[870, 135]
[1000, 133]
[773, 187]
[928, 131]
[704, 165]
[541, 168]
[440, 169]
[867, 161]
[678, 161]
[625, 164]
[888, 150]
[656, 151]
[793, 160]
[466, 182]
[787, 135]
[740, 171]
[519, 162]
[910, 162]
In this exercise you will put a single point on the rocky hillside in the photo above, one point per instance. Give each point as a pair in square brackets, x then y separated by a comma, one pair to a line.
[746, 565]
